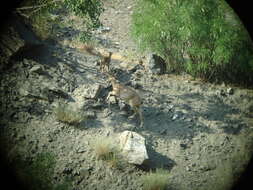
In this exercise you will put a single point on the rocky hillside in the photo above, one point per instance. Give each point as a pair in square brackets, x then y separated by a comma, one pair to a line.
[53, 106]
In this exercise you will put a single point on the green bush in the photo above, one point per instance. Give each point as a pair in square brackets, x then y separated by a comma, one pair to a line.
[201, 37]
[38, 174]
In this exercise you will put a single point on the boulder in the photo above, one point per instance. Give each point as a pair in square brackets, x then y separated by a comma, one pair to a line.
[87, 91]
[155, 64]
[133, 147]
[36, 69]
[87, 96]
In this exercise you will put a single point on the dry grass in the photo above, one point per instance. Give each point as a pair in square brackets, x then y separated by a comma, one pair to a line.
[67, 114]
[106, 149]
[156, 180]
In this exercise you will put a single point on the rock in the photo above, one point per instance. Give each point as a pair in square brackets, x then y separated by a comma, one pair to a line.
[155, 64]
[188, 168]
[89, 91]
[175, 117]
[90, 114]
[107, 112]
[163, 132]
[206, 168]
[132, 67]
[230, 91]
[54, 93]
[170, 107]
[189, 119]
[23, 92]
[183, 145]
[97, 105]
[133, 147]
[67, 170]
[112, 100]
[136, 85]
[80, 149]
[84, 172]
[84, 97]
[123, 106]
[104, 29]
[36, 69]
[221, 92]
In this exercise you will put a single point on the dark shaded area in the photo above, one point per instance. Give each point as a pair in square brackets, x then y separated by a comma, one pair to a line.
[30, 51]
[216, 110]
[245, 181]
[156, 64]
[17, 37]
[244, 11]
[9, 179]
[164, 125]
[158, 160]
[121, 75]
[6, 9]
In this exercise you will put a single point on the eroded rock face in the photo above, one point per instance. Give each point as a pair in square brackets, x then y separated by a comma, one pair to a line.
[16, 38]
[133, 147]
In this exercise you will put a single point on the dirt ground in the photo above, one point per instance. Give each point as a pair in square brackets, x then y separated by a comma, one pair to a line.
[200, 132]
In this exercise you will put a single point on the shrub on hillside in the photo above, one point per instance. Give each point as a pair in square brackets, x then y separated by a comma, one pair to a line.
[201, 37]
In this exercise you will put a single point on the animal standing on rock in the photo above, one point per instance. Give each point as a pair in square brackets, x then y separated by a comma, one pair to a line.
[104, 62]
[127, 94]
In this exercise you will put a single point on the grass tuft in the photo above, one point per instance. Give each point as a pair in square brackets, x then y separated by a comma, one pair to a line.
[155, 180]
[106, 149]
[69, 115]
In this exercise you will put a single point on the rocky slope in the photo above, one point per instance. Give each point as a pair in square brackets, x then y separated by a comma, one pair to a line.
[200, 132]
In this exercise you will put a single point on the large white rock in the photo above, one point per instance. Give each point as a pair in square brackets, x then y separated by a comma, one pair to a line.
[133, 147]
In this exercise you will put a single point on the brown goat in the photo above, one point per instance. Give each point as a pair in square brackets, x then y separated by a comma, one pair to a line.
[104, 62]
[128, 95]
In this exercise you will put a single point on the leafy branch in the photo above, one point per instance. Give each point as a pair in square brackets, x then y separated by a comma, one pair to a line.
[35, 8]
[37, 12]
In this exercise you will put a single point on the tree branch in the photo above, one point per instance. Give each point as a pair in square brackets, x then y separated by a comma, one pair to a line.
[37, 6]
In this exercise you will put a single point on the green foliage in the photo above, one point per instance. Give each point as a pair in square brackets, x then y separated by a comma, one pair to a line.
[201, 37]
[66, 185]
[38, 174]
[38, 12]
[39, 170]
[89, 10]
[31, 8]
